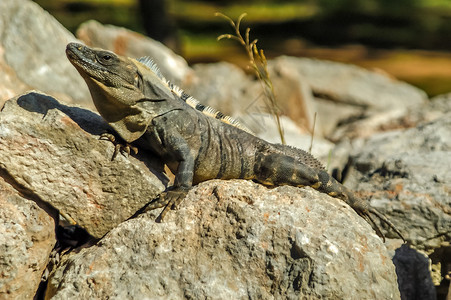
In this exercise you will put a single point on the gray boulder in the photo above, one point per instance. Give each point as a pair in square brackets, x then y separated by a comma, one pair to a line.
[265, 127]
[27, 236]
[235, 240]
[353, 85]
[32, 54]
[228, 89]
[345, 92]
[54, 152]
[407, 175]
[399, 118]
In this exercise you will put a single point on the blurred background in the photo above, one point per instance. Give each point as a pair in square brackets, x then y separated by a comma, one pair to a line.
[408, 39]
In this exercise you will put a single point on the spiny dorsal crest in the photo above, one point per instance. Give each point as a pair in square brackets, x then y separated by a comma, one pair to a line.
[194, 103]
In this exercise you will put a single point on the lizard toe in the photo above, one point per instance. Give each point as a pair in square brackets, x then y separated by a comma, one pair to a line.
[170, 200]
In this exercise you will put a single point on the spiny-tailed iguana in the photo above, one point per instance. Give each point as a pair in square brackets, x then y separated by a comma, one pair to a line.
[144, 109]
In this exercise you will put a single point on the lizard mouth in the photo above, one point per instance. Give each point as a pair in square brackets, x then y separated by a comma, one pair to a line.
[84, 59]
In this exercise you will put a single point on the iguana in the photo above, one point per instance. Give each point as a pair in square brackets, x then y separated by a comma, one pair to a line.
[144, 109]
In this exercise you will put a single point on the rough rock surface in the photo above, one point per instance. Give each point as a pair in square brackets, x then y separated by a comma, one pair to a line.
[407, 175]
[353, 85]
[294, 97]
[345, 92]
[53, 151]
[235, 240]
[27, 236]
[400, 118]
[32, 45]
[128, 43]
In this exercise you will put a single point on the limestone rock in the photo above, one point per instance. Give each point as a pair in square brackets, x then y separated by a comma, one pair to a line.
[354, 85]
[229, 90]
[128, 43]
[399, 118]
[294, 97]
[346, 92]
[234, 240]
[407, 175]
[53, 151]
[32, 54]
[27, 236]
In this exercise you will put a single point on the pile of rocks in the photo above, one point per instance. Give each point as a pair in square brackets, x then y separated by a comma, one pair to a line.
[230, 239]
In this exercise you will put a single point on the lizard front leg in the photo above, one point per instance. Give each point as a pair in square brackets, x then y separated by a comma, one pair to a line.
[172, 198]
[178, 150]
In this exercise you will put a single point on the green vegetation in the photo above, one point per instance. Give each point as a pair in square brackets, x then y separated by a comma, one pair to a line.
[267, 12]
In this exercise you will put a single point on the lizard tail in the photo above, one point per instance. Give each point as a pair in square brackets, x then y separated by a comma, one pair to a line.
[365, 211]
[386, 221]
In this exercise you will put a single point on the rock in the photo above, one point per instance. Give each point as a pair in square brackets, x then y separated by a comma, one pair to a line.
[407, 174]
[265, 127]
[331, 114]
[350, 91]
[32, 54]
[54, 152]
[441, 265]
[27, 236]
[294, 96]
[131, 44]
[375, 123]
[232, 240]
[400, 118]
[354, 85]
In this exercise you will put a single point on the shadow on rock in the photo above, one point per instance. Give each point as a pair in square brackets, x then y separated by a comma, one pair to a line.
[86, 119]
[414, 278]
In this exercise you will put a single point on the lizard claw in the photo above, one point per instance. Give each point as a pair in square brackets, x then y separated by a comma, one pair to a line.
[169, 200]
[366, 212]
[124, 149]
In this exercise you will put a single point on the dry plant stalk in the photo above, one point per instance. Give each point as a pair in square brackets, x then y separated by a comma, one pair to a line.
[258, 63]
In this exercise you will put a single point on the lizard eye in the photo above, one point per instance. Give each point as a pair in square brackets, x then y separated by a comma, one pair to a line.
[105, 58]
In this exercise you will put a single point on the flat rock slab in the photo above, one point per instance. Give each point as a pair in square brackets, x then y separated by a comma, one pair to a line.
[235, 240]
[54, 152]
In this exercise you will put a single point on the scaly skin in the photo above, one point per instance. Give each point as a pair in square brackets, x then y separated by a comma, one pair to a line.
[145, 111]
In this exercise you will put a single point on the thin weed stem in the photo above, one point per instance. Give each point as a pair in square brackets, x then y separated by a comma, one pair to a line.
[259, 64]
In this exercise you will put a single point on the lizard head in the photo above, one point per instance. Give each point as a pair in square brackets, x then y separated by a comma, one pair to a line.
[107, 73]
[119, 88]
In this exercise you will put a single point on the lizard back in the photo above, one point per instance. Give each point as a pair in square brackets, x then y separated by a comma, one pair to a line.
[191, 101]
